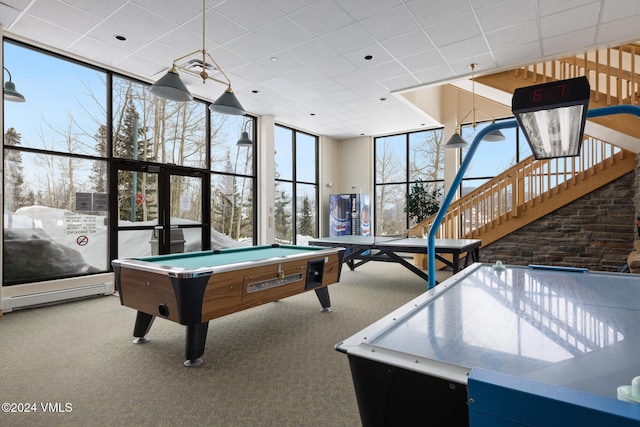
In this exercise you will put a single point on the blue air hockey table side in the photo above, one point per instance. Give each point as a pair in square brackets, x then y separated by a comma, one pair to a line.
[501, 347]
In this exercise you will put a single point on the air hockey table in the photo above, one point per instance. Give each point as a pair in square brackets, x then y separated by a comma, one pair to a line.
[504, 346]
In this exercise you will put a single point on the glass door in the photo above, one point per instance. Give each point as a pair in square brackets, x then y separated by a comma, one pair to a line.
[160, 210]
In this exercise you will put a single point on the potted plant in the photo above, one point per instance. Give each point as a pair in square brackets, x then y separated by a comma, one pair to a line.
[421, 204]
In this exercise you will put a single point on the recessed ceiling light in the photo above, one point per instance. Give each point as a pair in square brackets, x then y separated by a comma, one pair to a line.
[274, 59]
[383, 99]
[312, 114]
[120, 37]
[368, 57]
[255, 91]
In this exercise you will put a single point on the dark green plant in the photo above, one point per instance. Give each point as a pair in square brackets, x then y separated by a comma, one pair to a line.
[422, 203]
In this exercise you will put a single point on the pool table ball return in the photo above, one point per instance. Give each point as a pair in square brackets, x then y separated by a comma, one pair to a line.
[193, 288]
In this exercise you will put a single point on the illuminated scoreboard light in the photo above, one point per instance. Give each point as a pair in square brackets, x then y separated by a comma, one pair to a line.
[552, 116]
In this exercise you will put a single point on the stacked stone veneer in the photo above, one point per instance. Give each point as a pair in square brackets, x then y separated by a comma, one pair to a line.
[595, 232]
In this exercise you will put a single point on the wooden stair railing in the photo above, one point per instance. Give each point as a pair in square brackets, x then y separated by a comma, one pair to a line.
[611, 73]
[530, 190]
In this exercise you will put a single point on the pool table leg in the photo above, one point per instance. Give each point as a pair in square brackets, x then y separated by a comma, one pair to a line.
[323, 297]
[196, 339]
[142, 326]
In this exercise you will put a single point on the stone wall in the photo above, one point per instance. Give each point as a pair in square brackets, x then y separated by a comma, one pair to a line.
[595, 232]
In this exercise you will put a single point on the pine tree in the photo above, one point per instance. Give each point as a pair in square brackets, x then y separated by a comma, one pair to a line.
[305, 219]
[132, 143]
[282, 215]
[13, 172]
[98, 175]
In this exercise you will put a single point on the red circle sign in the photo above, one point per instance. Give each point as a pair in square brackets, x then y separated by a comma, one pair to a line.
[139, 198]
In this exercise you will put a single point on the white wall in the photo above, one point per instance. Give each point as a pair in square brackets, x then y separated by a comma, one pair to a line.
[346, 167]
[266, 179]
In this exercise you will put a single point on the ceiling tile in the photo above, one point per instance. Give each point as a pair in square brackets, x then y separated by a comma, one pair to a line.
[553, 46]
[390, 23]
[361, 9]
[572, 20]
[430, 13]
[252, 47]
[466, 27]
[321, 17]
[37, 29]
[312, 51]
[284, 33]
[249, 14]
[140, 20]
[514, 35]
[348, 38]
[491, 18]
[408, 44]
[178, 12]
[64, 15]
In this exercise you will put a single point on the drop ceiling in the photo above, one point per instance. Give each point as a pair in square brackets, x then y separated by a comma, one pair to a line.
[304, 61]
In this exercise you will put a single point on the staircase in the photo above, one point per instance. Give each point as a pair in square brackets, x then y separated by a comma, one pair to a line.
[534, 188]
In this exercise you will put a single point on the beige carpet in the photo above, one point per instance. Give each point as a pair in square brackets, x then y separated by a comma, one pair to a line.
[273, 365]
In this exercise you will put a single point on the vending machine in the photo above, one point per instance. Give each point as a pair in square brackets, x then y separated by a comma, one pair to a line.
[349, 214]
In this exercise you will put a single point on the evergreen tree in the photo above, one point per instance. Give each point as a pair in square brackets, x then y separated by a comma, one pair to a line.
[282, 215]
[132, 143]
[305, 218]
[98, 175]
[13, 172]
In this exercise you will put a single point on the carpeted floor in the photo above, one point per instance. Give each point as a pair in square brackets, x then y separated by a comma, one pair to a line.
[273, 365]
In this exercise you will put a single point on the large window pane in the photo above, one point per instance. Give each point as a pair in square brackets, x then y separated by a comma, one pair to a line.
[491, 158]
[55, 211]
[149, 128]
[391, 159]
[306, 211]
[284, 153]
[390, 219]
[66, 102]
[283, 212]
[232, 206]
[226, 155]
[55, 192]
[305, 157]
[401, 162]
[426, 155]
[296, 187]
[232, 177]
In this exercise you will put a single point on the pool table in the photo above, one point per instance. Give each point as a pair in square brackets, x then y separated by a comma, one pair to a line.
[193, 288]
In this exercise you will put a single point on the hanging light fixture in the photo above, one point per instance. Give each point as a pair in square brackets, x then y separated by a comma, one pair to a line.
[10, 92]
[553, 115]
[244, 140]
[171, 87]
[456, 141]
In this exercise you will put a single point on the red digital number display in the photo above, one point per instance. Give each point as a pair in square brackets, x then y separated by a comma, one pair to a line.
[550, 93]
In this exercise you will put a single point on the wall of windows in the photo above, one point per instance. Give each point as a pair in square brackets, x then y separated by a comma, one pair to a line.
[491, 158]
[233, 178]
[296, 186]
[84, 134]
[400, 161]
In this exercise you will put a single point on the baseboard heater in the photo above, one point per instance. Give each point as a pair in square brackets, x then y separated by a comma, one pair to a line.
[55, 296]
